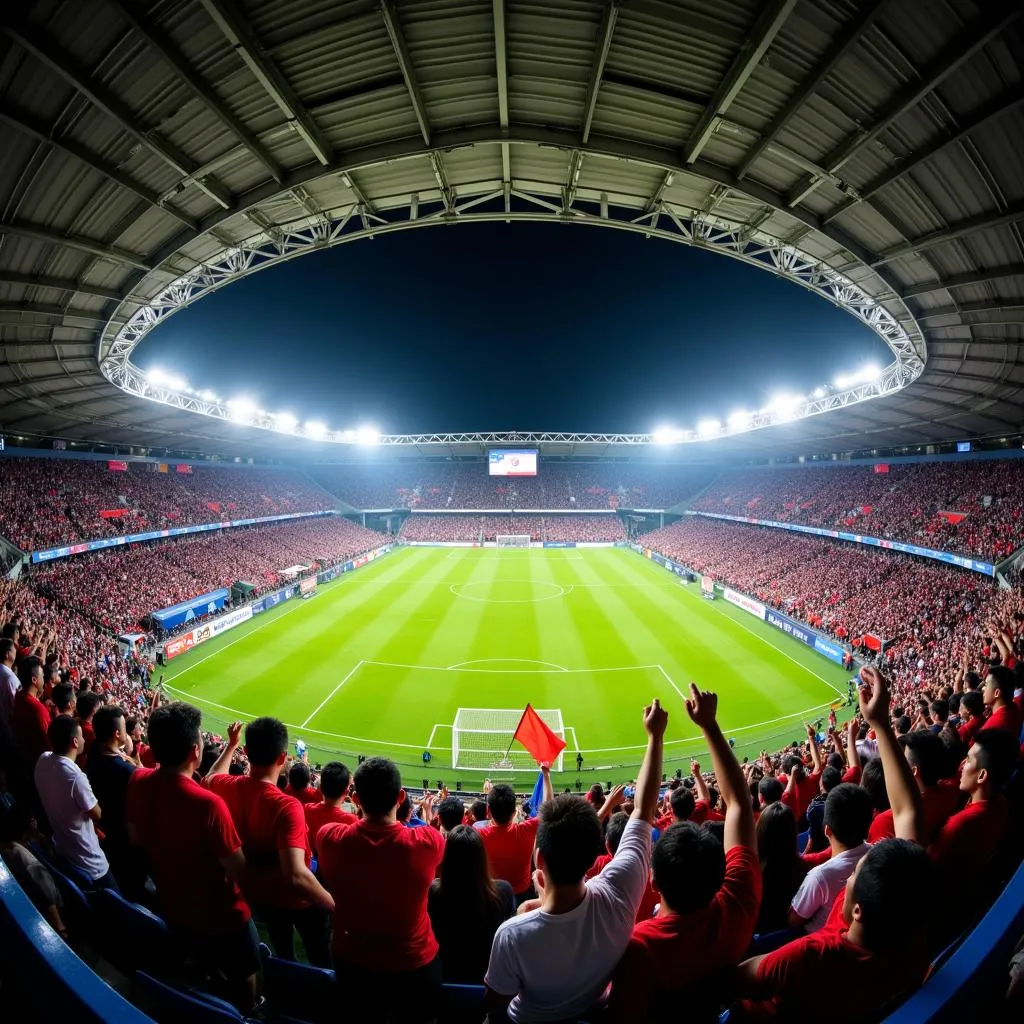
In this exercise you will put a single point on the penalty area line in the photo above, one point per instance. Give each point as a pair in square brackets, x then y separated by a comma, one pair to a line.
[355, 668]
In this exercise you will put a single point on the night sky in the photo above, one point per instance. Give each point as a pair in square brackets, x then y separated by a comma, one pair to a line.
[511, 327]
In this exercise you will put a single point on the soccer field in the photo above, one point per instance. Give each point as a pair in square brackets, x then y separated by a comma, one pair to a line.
[380, 661]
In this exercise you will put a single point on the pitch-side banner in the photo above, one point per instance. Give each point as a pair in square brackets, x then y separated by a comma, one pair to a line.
[748, 604]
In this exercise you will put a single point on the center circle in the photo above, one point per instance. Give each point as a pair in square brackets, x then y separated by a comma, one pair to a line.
[507, 591]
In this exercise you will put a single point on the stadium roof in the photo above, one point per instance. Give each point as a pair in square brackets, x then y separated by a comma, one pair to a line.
[153, 151]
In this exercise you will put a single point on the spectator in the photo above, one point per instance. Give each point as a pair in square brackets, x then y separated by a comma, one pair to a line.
[194, 853]
[8, 680]
[972, 710]
[769, 791]
[71, 807]
[298, 785]
[509, 844]
[34, 879]
[709, 898]
[382, 936]
[30, 719]
[466, 905]
[451, 812]
[526, 976]
[334, 784]
[62, 698]
[278, 884]
[817, 841]
[613, 833]
[998, 692]
[478, 814]
[782, 870]
[847, 820]
[85, 708]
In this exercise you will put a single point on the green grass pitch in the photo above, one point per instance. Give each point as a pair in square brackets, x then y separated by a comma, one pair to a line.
[379, 661]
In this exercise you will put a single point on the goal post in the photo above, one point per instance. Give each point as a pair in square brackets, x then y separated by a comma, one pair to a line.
[482, 739]
[512, 540]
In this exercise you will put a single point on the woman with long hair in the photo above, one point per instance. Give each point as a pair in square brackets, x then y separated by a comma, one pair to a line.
[782, 870]
[466, 906]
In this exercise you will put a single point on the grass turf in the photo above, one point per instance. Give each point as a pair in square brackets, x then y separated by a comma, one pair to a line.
[379, 661]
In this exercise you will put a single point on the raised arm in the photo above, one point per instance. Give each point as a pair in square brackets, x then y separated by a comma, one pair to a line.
[702, 707]
[852, 753]
[703, 793]
[648, 782]
[614, 800]
[223, 763]
[904, 796]
[812, 740]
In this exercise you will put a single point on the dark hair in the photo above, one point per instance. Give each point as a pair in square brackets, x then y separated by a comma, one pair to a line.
[903, 725]
[1004, 679]
[173, 730]
[266, 739]
[927, 753]
[973, 701]
[104, 724]
[568, 837]
[450, 812]
[848, 813]
[998, 753]
[404, 812]
[63, 696]
[613, 833]
[26, 670]
[715, 829]
[298, 775]
[776, 847]
[769, 789]
[872, 778]
[890, 869]
[954, 703]
[465, 883]
[7, 645]
[378, 783]
[61, 733]
[501, 802]
[830, 778]
[86, 704]
[940, 709]
[790, 761]
[596, 796]
[682, 803]
[836, 761]
[689, 866]
[972, 681]
[334, 780]
[478, 808]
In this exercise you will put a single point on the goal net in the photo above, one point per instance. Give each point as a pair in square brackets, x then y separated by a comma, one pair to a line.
[481, 739]
[513, 540]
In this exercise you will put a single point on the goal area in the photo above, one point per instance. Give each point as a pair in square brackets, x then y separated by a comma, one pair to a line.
[512, 540]
[482, 739]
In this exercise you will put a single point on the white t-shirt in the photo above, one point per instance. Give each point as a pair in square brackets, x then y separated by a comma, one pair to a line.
[557, 965]
[8, 688]
[818, 891]
[67, 799]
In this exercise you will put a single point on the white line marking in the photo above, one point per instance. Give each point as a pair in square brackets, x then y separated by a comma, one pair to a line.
[358, 665]
[430, 741]
[450, 668]
[575, 742]
[506, 600]
[517, 661]
[671, 683]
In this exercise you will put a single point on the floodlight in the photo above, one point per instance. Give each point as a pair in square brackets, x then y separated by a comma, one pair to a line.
[208, 396]
[785, 407]
[667, 435]
[175, 383]
[285, 421]
[348, 435]
[739, 419]
[870, 373]
[819, 392]
[315, 429]
[156, 376]
[708, 428]
[242, 409]
[368, 435]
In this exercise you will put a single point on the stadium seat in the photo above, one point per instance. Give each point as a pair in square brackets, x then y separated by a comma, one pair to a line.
[462, 1004]
[130, 936]
[169, 1005]
[294, 991]
[801, 841]
[769, 941]
[76, 903]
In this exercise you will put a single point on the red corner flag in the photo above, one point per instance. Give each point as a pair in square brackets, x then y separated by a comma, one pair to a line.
[538, 739]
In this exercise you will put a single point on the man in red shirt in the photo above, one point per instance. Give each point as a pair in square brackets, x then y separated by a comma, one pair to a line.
[612, 837]
[334, 780]
[194, 853]
[709, 899]
[509, 845]
[85, 708]
[30, 719]
[973, 703]
[278, 884]
[998, 695]
[802, 787]
[299, 787]
[380, 873]
[682, 806]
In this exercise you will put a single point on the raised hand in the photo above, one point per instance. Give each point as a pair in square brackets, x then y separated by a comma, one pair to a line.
[617, 795]
[235, 733]
[655, 719]
[702, 707]
[874, 697]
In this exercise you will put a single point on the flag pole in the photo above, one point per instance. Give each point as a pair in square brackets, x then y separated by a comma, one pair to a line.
[511, 741]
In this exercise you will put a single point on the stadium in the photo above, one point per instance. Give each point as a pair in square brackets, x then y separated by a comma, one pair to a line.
[302, 715]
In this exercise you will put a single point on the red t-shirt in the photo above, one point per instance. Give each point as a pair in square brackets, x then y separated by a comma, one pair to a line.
[852, 774]
[1006, 717]
[940, 803]
[970, 729]
[304, 796]
[186, 831]
[146, 756]
[319, 814]
[669, 956]
[648, 901]
[827, 962]
[268, 821]
[29, 722]
[510, 851]
[381, 923]
[702, 812]
[88, 738]
[599, 865]
[969, 839]
[805, 791]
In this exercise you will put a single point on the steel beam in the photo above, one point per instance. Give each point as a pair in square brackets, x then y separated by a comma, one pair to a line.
[976, 277]
[846, 39]
[976, 36]
[233, 25]
[501, 61]
[960, 229]
[394, 30]
[63, 65]
[79, 242]
[52, 311]
[160, 41]
[61, 284]
[765, 29]
[609, 17]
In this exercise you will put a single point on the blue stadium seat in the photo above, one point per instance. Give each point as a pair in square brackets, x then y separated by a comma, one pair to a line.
[770, 941]
[801, 841]
[462, 1004]
[169, 1005]
[130, 936]
[296, 992]
[76, 903]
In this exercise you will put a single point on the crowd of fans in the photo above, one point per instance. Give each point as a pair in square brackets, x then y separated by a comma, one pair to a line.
[557, 485]
[974, 508]
[48, 503]
[588, 529]
[118, 588]
[450, 528]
